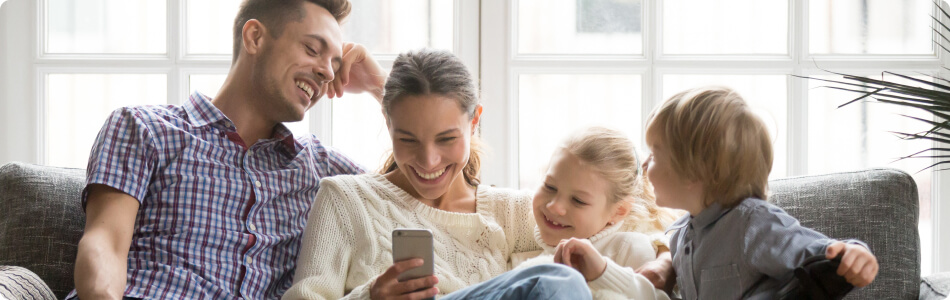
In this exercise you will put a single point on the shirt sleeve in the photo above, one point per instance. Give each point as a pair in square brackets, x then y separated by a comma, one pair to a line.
[339, 164]
[123, 155]
[326, 251]
[776, 243]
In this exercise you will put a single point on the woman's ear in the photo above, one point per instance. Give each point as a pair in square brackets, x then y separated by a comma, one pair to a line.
[476, 118]
[252, 36]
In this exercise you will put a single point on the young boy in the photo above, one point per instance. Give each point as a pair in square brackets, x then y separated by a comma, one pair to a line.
[712, 157]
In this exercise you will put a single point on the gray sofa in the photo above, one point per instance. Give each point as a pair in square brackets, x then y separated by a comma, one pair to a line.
[43, 220]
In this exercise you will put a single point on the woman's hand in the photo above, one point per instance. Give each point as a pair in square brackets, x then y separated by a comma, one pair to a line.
[358, 73]
[387, 287]
[581, 255]
[660, 272]
[858, 265]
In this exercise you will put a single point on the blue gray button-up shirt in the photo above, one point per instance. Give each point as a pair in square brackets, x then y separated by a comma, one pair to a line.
[748, 251]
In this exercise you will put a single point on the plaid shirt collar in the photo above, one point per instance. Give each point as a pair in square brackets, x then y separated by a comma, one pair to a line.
[202, 112]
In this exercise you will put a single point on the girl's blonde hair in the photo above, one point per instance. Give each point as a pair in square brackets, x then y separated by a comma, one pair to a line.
[713, 137]
[615, 158]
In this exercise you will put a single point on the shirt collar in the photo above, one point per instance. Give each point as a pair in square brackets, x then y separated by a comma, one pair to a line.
[202, 112]
[709, 215]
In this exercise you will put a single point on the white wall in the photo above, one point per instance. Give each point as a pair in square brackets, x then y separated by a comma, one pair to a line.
[17, 108]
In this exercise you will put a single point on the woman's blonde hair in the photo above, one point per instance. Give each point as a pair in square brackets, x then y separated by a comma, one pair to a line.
[426, 72]
[615, 158]
[713, 137]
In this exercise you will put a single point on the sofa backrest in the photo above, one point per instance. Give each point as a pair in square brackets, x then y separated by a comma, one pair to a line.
[42, 221]
[877, 206]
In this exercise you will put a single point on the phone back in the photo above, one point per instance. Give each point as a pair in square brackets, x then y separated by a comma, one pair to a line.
[413, 243]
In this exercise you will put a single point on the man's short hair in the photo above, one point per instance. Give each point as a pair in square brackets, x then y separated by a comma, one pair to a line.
[274, 14]
[714, 137]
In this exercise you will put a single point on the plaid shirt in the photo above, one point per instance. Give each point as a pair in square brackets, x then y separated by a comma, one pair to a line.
[217, 219]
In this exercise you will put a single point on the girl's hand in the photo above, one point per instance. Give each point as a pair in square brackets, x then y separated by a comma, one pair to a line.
[581, 255]
[387, 287]
[660, 272]
[858, 265]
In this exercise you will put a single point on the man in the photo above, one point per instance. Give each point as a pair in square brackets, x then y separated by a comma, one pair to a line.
[209, 199]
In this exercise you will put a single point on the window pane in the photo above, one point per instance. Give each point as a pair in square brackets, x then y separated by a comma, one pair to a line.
[210, 26]
[105, 26]
[209, 84]
[579, 26]
[359, 130]
[870, 26]
[395, 26]
[78, 105]
[858, 136]
[547, 115]
[725, 27]
[766, 94]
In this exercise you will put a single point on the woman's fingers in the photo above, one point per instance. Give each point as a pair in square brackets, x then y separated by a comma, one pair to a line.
[414, 285]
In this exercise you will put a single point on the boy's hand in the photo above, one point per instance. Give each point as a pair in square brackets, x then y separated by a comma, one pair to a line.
[858, 265]
[581, 255]
[660, 272]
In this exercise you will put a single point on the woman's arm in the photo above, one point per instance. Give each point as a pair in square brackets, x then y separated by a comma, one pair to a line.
[327, 248]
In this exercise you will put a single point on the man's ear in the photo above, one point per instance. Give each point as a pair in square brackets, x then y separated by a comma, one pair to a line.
[252, 36]
[476, 118]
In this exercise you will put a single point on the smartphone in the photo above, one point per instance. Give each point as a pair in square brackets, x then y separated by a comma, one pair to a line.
[413, 243]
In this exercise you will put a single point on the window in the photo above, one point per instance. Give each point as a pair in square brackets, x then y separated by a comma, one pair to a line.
[98, 55]
[557, 69]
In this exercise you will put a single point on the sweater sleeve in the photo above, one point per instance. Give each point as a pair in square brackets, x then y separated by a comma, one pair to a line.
[518, 222]
[624, 281]
[326, 251]
[624, 252]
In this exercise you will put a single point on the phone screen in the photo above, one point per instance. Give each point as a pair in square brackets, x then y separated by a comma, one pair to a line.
[413, 243]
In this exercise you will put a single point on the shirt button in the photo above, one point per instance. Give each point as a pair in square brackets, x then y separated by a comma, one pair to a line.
[257, 183]
[251, 227]
[247, 260]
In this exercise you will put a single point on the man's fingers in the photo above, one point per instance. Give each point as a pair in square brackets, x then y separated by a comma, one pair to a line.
[338, 86]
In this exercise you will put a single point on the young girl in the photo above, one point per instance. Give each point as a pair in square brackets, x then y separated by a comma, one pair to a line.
[590, 213]
[712, 157]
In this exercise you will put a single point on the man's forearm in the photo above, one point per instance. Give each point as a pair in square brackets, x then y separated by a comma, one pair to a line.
[100, 270]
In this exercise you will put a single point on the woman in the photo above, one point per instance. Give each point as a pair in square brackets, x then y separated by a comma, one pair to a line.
[431, 181]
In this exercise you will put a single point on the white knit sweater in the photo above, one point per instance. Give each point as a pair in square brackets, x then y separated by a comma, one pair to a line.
[624, 252]
[348, 240]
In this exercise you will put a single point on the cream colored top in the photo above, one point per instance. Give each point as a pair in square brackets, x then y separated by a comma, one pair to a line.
[348, 239]
[624, 252]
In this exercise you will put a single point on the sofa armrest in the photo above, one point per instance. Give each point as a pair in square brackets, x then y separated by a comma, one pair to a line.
[20, 283]
[935, 286]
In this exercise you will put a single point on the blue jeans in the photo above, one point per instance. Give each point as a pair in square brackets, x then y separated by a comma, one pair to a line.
[550, 281]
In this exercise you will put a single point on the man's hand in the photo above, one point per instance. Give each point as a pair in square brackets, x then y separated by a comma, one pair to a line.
[102, 259]
[660, 272]
[358, 73]
[581, 255]
[858, 265]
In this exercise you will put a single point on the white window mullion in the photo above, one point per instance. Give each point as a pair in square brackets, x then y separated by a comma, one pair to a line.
[498, 167]
[797, 90]
[177, 84]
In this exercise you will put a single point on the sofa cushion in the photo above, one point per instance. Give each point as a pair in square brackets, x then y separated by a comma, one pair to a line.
[877, 206]
[42, 221]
